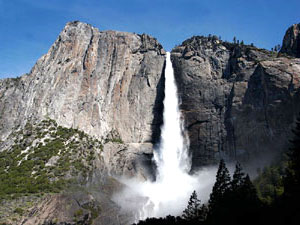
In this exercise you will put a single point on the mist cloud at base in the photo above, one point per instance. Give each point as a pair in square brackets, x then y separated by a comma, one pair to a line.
[162, 198]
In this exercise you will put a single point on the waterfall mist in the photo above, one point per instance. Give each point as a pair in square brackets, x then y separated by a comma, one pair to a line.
[173, 186]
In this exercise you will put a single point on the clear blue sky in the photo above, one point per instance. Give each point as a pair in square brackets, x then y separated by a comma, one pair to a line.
[29, 27]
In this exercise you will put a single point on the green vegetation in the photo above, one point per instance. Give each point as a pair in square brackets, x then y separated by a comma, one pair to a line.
[20, 211]
[114, 136]
[43, 159]
[269, 183]
[94, 212]
[194, 211]
[78, 213]
[117, 140]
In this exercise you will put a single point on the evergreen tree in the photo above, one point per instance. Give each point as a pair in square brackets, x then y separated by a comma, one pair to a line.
[289, 204]
[242, 42]
[221, 186]
[249, 191]
[243, 192]
[234, 40]
[232, 202]
[238, 177]
[292, 178]
[217, 207]
[193, 208]
[203, 213]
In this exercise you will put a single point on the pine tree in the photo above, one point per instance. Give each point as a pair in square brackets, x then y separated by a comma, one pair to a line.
[249, 193]
[217, 204]
[221, 186]
[193, 208]
[238, 177]
[289, 203]
[203, 213]
[234, 40]
[292, 178]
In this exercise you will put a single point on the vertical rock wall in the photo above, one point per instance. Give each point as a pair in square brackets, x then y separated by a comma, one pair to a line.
[238, 101]
[104, 83]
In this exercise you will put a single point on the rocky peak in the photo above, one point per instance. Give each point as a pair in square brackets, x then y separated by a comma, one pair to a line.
[191, 46]
[150, 43]
[212, 44]
[291, 41]
[97, 81]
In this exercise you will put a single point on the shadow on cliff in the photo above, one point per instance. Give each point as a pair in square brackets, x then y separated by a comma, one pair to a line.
[158, 109]
[157, 123]
[264, 103]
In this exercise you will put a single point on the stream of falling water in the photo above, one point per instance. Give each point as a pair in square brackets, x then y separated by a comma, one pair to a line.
[172, 157]
[173, 184]
[169, 194]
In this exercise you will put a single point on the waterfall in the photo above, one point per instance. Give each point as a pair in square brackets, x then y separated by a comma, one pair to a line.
[173, 184]
[169, 194]
[172, 156]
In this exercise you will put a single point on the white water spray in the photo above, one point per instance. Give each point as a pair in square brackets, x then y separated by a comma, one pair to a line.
[173, 184]
[170, 192]
[172, 157]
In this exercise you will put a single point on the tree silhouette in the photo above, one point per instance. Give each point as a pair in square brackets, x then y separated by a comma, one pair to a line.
[249, 192]
[221, 185]
[289, 204]
[292, 178]
[193, 208]
[234, 40]
[238, 177]
[232, 202]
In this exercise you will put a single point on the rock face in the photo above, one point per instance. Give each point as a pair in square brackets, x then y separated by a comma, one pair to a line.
[132, 160]
[108, 84]
[237, 101]
[100, 82]
[291, 41]
[83, 206]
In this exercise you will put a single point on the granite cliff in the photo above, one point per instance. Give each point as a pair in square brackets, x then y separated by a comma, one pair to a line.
[108, 84]
[238, 101]
[291, 41]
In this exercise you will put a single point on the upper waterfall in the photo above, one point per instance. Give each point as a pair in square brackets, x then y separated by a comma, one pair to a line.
[173, 183]
[173, 186]
[172, 156]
